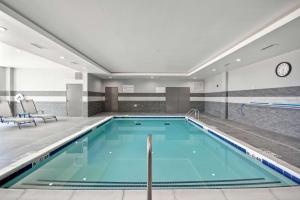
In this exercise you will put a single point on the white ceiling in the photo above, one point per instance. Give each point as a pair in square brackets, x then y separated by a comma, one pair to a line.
[285, 38]
[149, 37]
[21, 36]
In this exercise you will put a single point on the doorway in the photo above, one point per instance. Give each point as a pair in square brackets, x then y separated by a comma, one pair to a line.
[177, 99]
[74, 100]
[111, 99]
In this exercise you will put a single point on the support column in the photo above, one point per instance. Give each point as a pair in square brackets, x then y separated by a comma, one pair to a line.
[9, 87]
[226, 95]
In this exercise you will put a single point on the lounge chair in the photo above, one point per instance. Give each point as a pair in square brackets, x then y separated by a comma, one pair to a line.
[6, 115]
[29, 108]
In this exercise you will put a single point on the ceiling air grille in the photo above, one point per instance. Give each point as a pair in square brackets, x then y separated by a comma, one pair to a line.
[78, 76]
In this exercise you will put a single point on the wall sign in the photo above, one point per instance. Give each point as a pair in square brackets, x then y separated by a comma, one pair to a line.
[160, 90]
[128, 88]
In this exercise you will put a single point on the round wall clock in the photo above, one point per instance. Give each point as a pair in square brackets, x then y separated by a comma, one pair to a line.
[283, 69]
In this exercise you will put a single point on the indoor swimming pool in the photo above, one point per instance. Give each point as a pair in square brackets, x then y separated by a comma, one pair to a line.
[113, 156]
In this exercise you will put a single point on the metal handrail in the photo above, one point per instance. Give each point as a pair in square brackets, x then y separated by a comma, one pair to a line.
[149, 167]
[194, 112]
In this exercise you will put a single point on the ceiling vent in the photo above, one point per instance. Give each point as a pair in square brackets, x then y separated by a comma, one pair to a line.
[269, 46]
[74, 63]
[37, 46]
[78, 76]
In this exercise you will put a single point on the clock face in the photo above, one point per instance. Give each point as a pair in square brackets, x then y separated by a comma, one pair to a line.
[283, 69]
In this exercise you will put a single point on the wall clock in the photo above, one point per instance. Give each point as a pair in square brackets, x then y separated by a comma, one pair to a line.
[283, 69]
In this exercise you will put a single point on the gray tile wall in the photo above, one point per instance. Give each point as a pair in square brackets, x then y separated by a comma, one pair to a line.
[95, 107]
[216, 109]
[268, 92]
[280, 120]
[55, 108]
[198, 105]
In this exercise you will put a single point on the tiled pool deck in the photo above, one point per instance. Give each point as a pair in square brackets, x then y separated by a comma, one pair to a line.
[16, 144]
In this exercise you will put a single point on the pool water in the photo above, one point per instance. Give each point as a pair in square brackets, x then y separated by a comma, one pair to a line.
[114, 156]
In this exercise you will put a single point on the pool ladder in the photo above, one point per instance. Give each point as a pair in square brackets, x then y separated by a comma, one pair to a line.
[194, 112]
[149, 167]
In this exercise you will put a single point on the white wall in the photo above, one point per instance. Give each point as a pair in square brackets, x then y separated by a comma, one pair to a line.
[262, 74]
[31, 79]
[215, 83]
[149, 85]
[259, 75]
[94, 83]
[2, 79]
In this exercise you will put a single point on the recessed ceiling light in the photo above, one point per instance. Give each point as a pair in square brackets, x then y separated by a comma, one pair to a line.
[238, 60]
[213, 70]
[61, 57]
[109, 77]
[2, 29]
[194, 77]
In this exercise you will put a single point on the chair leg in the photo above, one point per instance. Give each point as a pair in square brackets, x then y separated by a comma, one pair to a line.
[19, 125]
[56, 118]
[34, 122]
[44, 120]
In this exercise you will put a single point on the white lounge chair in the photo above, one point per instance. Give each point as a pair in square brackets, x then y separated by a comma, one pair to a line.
[29, 108]
[6, 115]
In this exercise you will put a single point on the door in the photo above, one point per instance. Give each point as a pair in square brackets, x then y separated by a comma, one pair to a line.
[183, 105]
[74, 100]
[171, 99]
[111, 99]
[177, 99]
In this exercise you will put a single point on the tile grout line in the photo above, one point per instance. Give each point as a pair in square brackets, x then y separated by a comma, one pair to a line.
[271, 192]
[174, 193]
[223, 193]
[123, 194]
[72, 194]
[23, 192]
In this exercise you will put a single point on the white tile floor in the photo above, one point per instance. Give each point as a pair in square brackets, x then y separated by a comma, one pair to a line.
[290, 193]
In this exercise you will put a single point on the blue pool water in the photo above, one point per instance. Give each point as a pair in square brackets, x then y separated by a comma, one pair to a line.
[113, 156]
